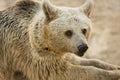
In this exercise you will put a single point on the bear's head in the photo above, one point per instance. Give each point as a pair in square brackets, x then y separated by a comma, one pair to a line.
[62, 29]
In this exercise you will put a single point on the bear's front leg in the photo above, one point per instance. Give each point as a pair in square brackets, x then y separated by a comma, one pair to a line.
[74, 59]
[92, 73]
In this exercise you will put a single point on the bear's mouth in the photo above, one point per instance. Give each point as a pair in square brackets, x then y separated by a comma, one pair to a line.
[80, 53]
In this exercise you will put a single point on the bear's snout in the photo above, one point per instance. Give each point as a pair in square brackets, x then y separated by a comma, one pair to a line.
[82, 49]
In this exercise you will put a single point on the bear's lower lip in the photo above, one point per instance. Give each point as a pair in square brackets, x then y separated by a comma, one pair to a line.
[80, 54]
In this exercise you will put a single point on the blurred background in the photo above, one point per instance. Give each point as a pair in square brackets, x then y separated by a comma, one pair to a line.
[105, 40]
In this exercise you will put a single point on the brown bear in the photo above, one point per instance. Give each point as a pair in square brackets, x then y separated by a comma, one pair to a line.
[35, 38]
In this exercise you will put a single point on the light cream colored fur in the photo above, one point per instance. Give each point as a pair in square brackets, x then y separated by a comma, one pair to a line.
[33, 44]
[74, 59]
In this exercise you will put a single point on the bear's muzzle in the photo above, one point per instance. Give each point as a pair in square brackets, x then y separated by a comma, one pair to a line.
[82, 49]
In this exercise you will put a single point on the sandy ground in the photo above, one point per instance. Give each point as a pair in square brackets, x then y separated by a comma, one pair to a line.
[105, 39]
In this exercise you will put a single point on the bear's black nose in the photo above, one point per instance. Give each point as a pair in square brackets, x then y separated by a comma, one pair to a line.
[82, 49]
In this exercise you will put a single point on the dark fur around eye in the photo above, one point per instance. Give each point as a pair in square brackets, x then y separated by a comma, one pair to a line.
[84, 31]
[69, 33]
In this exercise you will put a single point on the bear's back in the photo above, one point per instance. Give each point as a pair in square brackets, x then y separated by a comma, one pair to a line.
[14, 22]
[22, 11]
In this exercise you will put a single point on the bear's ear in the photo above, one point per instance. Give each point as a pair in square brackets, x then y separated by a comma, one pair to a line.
[50, 10]
[87, 7]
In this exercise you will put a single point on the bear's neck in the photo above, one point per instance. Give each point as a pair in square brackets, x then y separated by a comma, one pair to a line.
[48, 51]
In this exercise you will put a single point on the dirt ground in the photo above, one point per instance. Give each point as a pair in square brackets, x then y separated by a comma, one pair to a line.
[105, 39]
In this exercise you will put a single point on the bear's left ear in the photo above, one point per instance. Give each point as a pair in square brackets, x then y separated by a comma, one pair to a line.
[87, 7]
[50, 10]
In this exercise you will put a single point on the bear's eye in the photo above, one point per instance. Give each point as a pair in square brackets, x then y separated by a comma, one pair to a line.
[84, 31]
[69, 33]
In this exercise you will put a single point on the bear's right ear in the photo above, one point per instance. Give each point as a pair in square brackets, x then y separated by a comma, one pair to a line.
[87, 7]
[49, 10]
